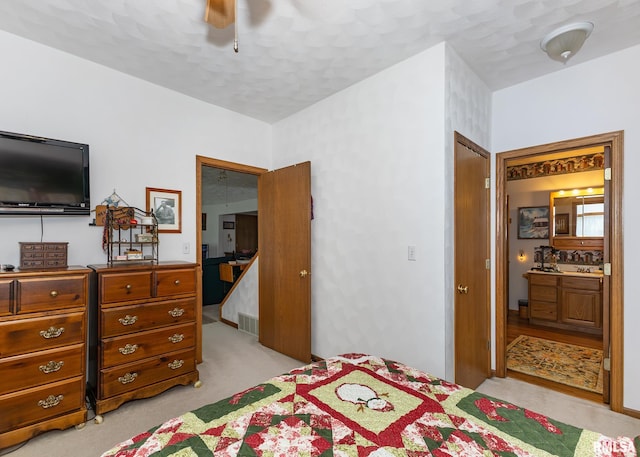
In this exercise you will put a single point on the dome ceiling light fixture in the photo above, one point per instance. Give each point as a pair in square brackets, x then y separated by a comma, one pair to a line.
[564, 42]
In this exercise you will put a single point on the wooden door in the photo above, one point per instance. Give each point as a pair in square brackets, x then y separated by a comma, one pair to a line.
[472, 248]
[284, 240]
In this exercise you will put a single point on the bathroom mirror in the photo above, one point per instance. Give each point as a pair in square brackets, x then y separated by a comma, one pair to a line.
[577, 218]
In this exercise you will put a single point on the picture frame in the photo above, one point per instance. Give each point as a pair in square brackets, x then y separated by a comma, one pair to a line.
[562, 224]
[533, 222]
[228, 225]
[166, 204]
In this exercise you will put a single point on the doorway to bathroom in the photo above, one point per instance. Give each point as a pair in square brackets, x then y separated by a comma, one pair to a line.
[612, 319]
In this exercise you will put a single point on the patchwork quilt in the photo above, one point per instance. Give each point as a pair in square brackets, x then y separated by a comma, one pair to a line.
[360, 405]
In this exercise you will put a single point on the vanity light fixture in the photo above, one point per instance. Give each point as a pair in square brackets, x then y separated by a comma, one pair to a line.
[564, 42]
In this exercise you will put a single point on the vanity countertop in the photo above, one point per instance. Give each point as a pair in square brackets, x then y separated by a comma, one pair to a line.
[593, 274]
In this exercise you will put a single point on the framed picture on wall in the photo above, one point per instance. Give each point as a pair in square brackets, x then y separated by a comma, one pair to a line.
[533, 222]
[167, 206]
[228, 225]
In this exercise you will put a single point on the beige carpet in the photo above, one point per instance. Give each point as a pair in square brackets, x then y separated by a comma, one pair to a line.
[234, 361]
[209, 314]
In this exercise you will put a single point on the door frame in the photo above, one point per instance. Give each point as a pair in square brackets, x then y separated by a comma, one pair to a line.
[616, 293]
[202, 161]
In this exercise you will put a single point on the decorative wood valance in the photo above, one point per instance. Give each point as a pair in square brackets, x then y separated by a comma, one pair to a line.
[566, 165]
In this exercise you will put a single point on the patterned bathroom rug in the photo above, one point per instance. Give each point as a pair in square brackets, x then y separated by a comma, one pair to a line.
[564, 363]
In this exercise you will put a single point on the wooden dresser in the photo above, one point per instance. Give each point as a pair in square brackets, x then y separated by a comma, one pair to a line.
[143, 331]
[43, 330]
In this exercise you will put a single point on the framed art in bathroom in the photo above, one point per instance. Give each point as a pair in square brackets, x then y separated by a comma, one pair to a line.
[533, 222]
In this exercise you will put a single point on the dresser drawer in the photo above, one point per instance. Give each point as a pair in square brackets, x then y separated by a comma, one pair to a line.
[34, 405]
[133, 318]
[5, 297]
[27, 335]
[45, 255]
[50, 293]
[142, 345]
[119, 287]
[125, 378]
[175, 282]
[42, 263]
[38, 368]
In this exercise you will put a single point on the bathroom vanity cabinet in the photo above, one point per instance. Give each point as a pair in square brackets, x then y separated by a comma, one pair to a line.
[566, 300]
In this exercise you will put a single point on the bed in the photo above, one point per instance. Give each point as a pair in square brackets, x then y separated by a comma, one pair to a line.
[361, 405]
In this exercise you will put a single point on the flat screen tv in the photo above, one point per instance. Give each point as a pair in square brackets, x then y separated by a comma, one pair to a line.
[43, 176]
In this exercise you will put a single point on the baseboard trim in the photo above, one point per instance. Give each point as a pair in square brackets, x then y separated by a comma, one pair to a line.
[631, 412]
[229, 323]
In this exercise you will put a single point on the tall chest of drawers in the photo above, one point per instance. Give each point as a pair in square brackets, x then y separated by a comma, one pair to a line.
[142, 331]
[43, 330]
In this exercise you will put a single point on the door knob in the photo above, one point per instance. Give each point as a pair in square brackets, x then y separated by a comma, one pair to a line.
[304, 273]
[463, 289]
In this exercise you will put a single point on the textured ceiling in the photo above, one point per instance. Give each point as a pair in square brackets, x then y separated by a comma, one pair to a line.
[221, 187]
[294, 53]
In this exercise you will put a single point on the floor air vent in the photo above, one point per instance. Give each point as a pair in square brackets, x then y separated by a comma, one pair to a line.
[248, 324]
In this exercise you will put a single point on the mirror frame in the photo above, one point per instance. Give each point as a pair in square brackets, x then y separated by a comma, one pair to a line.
[572, 242]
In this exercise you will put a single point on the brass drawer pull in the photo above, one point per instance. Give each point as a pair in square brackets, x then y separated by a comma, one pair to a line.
[53, 293]
[128, 378]
[50, 401]
[176, 312]
[128, 287]
[176, 338]
[177, 282]
[128, 349]
[128, 320]
[176, 364]
[52, 332]
[51, 367]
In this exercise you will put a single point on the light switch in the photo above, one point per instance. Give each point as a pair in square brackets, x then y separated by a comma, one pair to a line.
[411, 253]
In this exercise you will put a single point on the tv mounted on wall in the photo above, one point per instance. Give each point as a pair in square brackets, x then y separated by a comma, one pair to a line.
[43, 176]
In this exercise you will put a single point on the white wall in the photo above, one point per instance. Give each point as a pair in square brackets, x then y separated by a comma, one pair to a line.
[377, 179]
[140, 135]
[244, 296]
[594, 97]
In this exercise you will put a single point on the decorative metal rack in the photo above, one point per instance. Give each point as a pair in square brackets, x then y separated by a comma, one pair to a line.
[132, 235]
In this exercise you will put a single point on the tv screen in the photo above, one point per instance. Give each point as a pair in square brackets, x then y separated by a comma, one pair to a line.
[43, 176]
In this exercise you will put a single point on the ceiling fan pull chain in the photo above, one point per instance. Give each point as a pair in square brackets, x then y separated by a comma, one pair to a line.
[235, 24]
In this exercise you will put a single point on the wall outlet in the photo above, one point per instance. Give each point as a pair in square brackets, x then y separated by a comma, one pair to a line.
[186, 248]
[411, 253]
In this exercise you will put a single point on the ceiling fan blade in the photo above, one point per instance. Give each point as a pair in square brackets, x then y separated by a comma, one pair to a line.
[220, 13]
